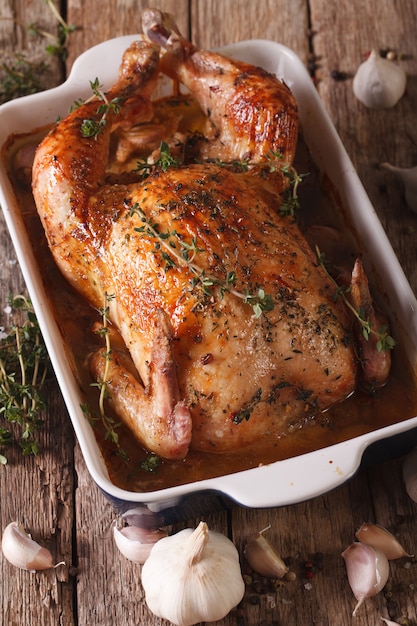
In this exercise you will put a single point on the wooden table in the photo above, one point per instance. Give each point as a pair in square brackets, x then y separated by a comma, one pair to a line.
[53, 495]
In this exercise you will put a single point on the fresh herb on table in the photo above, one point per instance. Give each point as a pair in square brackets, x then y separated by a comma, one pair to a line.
[24, 365]
[20, 76]
[274, 163]
[58, 45]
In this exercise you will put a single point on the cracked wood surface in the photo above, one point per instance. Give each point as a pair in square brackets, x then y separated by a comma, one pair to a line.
[54, 496]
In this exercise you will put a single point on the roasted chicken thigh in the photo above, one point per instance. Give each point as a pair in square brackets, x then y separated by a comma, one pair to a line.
[231, 324]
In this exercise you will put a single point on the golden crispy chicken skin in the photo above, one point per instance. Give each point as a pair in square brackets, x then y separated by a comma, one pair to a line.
[229, 320]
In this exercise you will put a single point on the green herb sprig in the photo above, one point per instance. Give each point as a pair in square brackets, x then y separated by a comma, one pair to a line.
[24, 365]
[384, 340]
[176, 251]
[290, 203]
[22, 76]
[110, 425]
[90, 127]
[58, 45]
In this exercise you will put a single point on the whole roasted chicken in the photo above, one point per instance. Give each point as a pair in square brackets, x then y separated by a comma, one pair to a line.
[231, 323]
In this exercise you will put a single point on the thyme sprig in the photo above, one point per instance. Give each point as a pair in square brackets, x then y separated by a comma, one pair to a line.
[163, 162]
[174, 250]
[290, 202]
[90, 127]
[384, 340]
[21, 77]
[110, 425]
[58, 45]
[24, 365]
[274, 163]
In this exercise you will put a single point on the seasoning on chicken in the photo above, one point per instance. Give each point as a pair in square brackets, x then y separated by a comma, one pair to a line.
[229, 320]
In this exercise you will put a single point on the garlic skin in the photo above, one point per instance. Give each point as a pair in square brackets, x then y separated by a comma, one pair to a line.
[193, 576]
[262, 556]
[377, 536]
[408, 176]
[378, 83]
[136, 543]
[367, 569]
[410, 474]
[22, 551]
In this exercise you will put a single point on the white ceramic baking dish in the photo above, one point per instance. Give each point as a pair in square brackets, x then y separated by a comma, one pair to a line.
[283, 482]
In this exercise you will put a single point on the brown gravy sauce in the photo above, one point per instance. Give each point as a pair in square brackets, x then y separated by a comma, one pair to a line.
[357, 415]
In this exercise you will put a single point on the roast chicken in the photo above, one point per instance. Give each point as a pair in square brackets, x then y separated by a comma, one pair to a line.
[231, 324]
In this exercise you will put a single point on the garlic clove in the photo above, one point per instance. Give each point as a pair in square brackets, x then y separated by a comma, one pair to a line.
[379, 83]
[262, 556]
[136, 543]
[377, 536]
[193, 576]
[408, 176]
[367, 569]
[22, 551]
[410, 474]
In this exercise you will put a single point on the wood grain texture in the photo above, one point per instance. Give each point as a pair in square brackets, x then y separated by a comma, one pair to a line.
[216, 23]
[37, 492]
[53, 494]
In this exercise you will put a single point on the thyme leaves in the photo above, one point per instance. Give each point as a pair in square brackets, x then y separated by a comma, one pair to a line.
[385, 341]
[164, 161]
[91, 128]
[290, 201]
[24, 364]
[175, 251]
[21, 76]
[273, 162]
[109, 423]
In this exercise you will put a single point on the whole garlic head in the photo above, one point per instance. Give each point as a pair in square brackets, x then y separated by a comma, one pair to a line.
[379, 83]
[193, 576]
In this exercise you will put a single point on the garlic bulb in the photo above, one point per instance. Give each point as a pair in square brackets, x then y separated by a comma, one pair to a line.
[263, 558]
[376, 536]
[22, 551]
[136, 543]
[408, 176]
[410, 474]
[367, 569]
[193, 576]
[379, 83]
